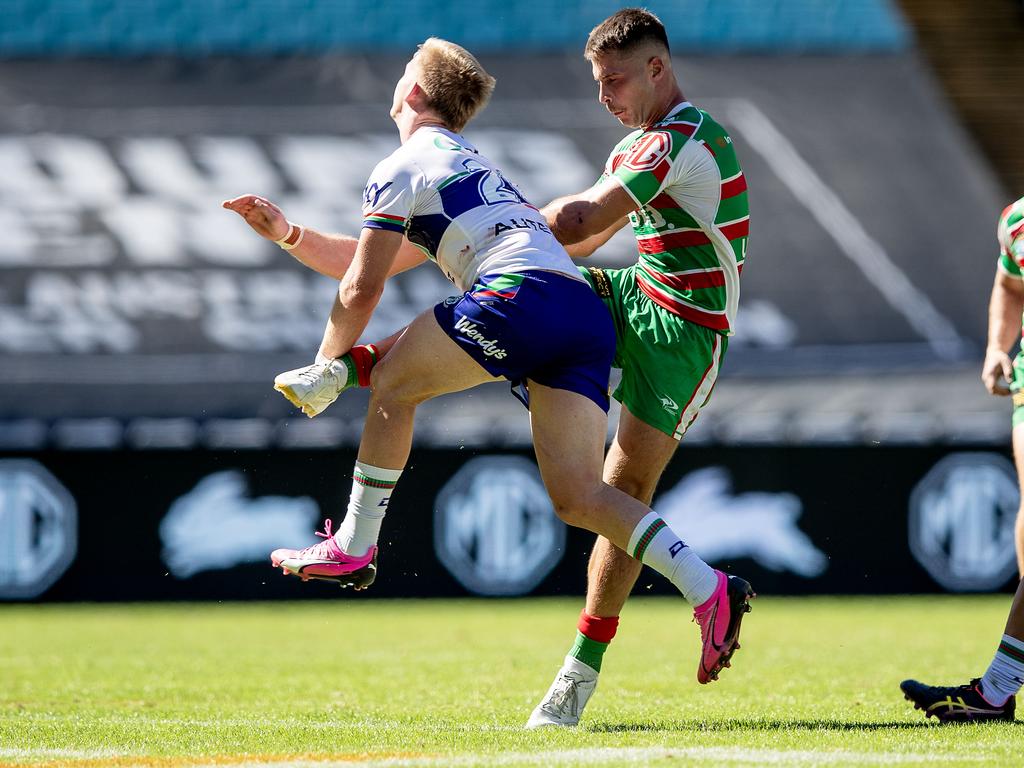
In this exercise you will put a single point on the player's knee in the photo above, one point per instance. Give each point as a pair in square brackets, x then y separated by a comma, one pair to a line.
[573, 501]
[389, 383]
[638, 488]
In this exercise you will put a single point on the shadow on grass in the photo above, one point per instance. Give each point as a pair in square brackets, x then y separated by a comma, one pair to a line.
[761, 725]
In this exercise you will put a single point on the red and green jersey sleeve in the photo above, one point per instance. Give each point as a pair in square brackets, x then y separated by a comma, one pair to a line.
[1010, 233]
[643, 162]
[389, 196]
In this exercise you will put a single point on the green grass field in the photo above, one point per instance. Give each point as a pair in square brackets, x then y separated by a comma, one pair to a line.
[437, 683]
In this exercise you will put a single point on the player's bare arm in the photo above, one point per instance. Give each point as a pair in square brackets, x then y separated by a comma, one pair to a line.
[591, 217]
[1004, 313]
[586, 248]
[328, 254]
[360, 290]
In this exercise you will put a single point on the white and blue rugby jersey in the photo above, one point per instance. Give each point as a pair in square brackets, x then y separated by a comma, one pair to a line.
[457, 207]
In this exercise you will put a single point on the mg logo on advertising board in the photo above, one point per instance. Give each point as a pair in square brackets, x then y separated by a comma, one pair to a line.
[961, 521]
[38, 529]
[494, 527]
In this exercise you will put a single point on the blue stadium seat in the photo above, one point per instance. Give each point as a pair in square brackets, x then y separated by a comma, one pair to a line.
[199, 27]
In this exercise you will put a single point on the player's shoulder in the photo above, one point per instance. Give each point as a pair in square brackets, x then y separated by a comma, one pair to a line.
[681, 124]
[669, 134]
[1012, 213]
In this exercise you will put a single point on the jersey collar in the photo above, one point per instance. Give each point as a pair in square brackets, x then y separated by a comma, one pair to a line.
[675, 110]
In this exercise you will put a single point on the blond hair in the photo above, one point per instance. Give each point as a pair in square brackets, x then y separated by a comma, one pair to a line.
[455, 84]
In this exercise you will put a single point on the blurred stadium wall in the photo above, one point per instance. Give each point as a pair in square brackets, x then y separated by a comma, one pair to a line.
[141, 325]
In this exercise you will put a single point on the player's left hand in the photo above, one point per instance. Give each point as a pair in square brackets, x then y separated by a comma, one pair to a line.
[266, 219]
[997, 371]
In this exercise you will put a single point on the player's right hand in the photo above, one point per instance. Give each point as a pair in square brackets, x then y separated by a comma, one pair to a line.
[266, 219]
[997, 371]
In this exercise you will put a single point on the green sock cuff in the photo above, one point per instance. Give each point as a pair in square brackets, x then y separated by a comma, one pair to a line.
[590, 652]
[353, 375]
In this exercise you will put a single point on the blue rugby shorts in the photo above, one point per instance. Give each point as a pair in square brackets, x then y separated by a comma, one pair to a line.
[543, 326]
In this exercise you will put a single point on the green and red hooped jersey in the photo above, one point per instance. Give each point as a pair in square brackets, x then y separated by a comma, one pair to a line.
[1010, 233]
[692, 218]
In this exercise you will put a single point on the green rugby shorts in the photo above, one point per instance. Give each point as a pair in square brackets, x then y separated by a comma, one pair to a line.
[669, 365]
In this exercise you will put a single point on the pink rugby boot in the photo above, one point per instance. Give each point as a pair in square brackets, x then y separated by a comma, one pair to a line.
[327, 562]
[719, 620]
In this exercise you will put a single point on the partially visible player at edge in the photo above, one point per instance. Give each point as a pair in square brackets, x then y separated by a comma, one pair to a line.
[992, 697]
[1005, 320]
[525, 314]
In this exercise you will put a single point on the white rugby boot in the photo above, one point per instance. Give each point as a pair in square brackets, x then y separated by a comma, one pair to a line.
[568, 695]
[316, 386]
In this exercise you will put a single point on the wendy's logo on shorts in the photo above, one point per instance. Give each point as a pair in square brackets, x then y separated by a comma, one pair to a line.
[471, 330]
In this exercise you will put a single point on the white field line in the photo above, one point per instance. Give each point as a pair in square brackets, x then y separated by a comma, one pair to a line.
[737, 756]
[275, 722]
[853, 240]
[635, 755]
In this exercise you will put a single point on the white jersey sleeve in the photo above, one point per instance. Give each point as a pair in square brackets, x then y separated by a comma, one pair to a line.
[389, 198]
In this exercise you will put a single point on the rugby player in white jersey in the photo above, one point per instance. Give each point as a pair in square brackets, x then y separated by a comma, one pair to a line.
[524, 315]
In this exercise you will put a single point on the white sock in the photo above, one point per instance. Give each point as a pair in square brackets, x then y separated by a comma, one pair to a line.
[1005, 674]
[367, 504]
[653, 543]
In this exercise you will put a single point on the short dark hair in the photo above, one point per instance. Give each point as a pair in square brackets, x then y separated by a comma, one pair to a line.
[624, 31]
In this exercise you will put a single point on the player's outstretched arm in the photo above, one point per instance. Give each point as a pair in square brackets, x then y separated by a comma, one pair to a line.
[328, 254]
[340, 365]
[585, 222]
[1004, 328]
[360, 290]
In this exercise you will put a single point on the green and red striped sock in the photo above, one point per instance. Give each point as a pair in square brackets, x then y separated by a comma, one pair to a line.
[364, 357]
[593, 635]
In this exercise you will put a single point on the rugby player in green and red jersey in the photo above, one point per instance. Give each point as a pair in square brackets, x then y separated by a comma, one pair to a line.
[676, 180]
[1004, 330]
[992, 697]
